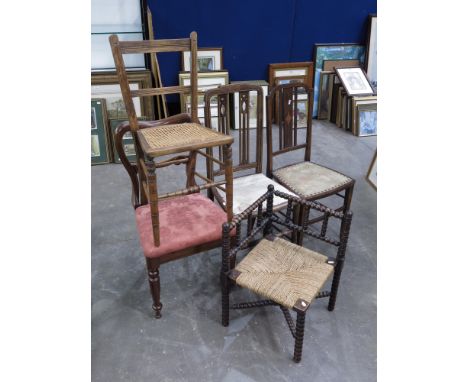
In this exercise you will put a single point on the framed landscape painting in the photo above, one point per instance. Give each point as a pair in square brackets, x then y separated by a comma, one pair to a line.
[208, 59]
[343, 51]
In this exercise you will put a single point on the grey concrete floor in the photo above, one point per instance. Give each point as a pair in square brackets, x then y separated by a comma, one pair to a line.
[188, 343]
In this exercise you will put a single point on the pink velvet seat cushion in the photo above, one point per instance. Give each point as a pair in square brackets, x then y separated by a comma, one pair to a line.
[184, 222]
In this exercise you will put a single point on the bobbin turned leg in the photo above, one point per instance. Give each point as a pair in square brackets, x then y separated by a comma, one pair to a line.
[155, 287]
[299, 336]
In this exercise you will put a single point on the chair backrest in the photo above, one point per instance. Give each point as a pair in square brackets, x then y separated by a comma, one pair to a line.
[293, 109]
[247, 124]
[119, 48]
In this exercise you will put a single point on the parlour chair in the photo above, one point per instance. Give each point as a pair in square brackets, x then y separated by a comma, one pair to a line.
[283, 273]
[184, 222]
[306, 179]
[246, 187]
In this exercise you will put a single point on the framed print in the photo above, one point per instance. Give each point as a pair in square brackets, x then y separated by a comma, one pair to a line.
[253, 104]
[302, 111]
[325, 97]
[333, 52]
[359, 100]
[208, 59]
[371, 53]
[106, 86]
[331, 65]
[372, 172]
[128, 144]
[366, 118]
[354, 81]
[100, 147]
[291, 72]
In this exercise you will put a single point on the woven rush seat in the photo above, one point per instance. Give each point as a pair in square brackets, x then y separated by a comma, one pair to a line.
[283, 272]
[249, 188]
[170, 139]
[308, 179]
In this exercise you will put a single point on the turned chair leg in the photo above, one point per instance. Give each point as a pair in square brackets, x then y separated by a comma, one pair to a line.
[155, 287]
[224, 300]
[347, 199]
[335, 285]
[299, 336]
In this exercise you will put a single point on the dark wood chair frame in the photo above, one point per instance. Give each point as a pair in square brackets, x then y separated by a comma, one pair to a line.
[143, 173]
[264, 229]
[287, 97]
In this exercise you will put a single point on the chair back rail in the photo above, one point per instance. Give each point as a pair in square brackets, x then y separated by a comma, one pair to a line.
[286, 98]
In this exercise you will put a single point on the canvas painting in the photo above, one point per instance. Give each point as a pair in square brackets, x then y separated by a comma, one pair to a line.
[367, 123]
[333, 52]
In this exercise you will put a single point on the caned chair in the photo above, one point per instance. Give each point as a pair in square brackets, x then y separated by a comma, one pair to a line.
[247, 187]
[285, 274]
[184, 222]
[308, 180]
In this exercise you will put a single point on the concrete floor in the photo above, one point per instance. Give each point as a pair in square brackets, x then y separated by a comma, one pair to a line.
[188, 343]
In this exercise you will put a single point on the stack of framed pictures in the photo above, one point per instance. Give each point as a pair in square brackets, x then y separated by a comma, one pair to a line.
[325, 57]
[206, 81]
[100, 144]
[105, 88]
[252, 106]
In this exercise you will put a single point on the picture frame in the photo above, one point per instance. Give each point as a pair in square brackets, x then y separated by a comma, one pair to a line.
[371, 176]
[354, 81]
[371, 50]
[331, 65]
[208, 59]
[366, 120]
[206, 81]
[325, 95]
[106, 86]
[252, 110]
[360, 100]
[100, 143]
[332, 51]
[291, 71]
[127, 140]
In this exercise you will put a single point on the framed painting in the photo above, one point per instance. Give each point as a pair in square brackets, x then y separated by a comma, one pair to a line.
[325, 95]
[106, 86]
[371, 53]
[366, 119]
[343, 51]
[208, 59]
[354, 81]
[331, 65]
[372, 172]
[253, 104]
[358, 100]
[128, 144]
[100, 147]
[291, 72]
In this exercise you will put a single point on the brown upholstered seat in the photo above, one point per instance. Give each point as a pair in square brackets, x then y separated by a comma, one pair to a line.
[170, 139]
[283, 272]
[310, 180]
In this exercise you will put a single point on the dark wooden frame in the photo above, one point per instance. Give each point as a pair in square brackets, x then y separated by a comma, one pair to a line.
[339, 64]
[143, 173]
[221, 52]
[264, 229]
[288, 142]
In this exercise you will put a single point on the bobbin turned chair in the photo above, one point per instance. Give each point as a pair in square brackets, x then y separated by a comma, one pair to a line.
[184, 222]
[285, 274]
[247, 187]
[308, 180]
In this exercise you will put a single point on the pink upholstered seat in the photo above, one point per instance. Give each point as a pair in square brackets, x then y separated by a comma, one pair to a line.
[185, 221]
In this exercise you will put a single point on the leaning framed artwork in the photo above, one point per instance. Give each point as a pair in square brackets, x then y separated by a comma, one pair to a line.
[342, 51]
[354, 81]
[208, 59]
[371, 54]
[372, 172]
[291, 72]
[106, 86]
[100, 147]
[366, 120]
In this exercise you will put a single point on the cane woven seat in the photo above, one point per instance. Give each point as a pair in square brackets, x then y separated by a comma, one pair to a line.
[309, 180]
[283, 272]
[170, 139]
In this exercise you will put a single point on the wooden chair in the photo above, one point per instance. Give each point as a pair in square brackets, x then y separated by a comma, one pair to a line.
[247, 187]
[285, 274]
[183, 222]
[308, 180]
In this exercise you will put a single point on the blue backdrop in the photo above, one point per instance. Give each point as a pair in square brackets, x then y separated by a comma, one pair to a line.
[255, 33]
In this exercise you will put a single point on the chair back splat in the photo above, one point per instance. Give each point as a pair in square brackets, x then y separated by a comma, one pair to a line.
[286, 98]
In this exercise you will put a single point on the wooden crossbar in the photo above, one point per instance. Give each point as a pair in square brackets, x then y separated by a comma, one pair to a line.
[211, 157]
[154, 46]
